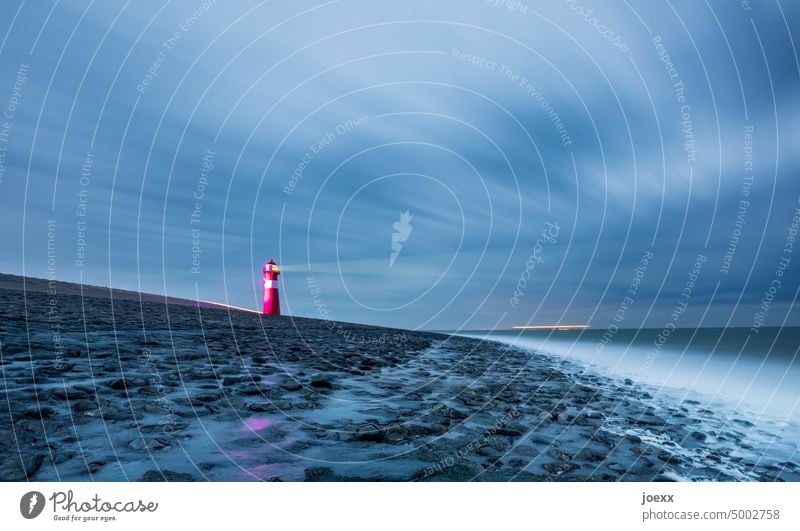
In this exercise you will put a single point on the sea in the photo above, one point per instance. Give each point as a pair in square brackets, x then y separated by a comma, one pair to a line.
[753, 371]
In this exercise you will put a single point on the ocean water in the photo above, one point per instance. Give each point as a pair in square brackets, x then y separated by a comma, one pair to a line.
[757, 373]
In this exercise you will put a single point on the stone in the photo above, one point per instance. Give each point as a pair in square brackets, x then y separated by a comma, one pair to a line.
[510, 430]
[546, 416]
[38, 413]
[321, 382]
[83, 405]
[165, 475]
[396, 433]
[60, 393]
[152, 390]
[617, 467]
[669, 458]
[369, 432]
[291, 386]
[319, 473]
[150, 443]
[120, 384]
[206, 397]
[16, 468]
[260, 407]
[234, 380]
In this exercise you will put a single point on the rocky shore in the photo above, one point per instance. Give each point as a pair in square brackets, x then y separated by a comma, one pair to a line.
[122, 391]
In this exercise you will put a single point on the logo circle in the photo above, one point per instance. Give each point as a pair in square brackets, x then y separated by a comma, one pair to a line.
[31, 504]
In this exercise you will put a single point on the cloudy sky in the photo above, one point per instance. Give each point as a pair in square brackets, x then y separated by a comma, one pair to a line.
[553, 158]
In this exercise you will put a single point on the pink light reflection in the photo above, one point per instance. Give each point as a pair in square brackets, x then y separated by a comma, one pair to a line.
[257, 424]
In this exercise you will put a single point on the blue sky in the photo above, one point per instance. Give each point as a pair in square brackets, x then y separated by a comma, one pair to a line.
[302, 130]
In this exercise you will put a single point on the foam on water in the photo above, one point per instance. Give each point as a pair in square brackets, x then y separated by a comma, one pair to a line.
[753, 372]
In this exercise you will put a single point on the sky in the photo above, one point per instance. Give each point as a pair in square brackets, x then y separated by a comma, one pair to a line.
[427, 165]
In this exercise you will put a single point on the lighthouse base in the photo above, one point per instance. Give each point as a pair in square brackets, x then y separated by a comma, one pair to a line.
[272, 304]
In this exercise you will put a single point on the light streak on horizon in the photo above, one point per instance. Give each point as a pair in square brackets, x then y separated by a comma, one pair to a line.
[550, 327]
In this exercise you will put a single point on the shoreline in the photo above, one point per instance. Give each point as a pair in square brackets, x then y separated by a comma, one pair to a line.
[170, 392]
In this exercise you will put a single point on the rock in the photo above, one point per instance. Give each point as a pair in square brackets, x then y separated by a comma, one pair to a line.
[457, 472]
[164, 428]
[165, 475]
[83, 405]
[120, 414]
[206, 397]
[152, 390]
[537, 438]
[291, 386]
[661, 478]
[150, 443]
[472, 401]
[455, 414]
[260, 407]
[616, 467]
[54, 370]
[511, 430]
[560, 468]
[439, 429]
[320, 473]
[369, 433]
[235, 380]
[589, 455]
[419, 430]
[396, 433]
[60, 393]
[321, 382]
[14, 468]
[669, 458]
[565, 418]
[38, 413]
[546, 416]
[489, 451]
[120, 384]
[648, 419]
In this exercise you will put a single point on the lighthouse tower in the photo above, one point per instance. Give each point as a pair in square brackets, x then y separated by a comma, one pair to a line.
[272, 304]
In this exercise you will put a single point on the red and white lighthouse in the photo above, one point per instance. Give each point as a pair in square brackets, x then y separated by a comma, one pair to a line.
[272, 304]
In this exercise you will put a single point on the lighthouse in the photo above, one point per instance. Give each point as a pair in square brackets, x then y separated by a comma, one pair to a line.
[272, 304]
